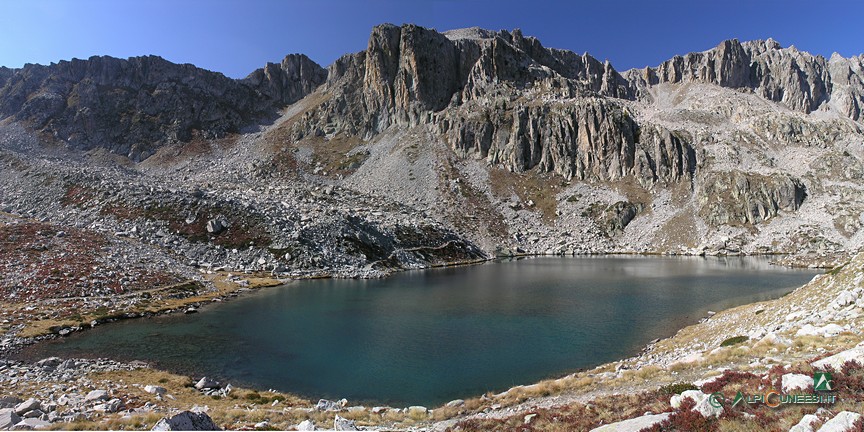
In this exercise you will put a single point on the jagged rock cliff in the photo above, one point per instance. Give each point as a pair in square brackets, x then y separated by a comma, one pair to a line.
[585, 139]
[505, 99]
[408, 72]
[289, 81]
[471, 84]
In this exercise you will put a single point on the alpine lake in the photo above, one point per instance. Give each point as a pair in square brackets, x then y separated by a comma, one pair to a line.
[427, 337]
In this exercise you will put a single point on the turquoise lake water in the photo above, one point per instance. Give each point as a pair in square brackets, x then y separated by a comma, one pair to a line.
[427, 337]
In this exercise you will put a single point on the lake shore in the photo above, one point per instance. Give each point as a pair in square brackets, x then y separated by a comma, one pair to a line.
[55, 317]
[686, 357]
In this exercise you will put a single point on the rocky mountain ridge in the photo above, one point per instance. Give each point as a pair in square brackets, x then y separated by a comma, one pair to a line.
[405, 72]
[132, 107]
[493, 139]
[798, 80]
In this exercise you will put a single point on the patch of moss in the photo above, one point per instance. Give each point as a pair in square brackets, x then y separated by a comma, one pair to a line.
[594, 210]
[677, 388]
[836, 270]
[735, 340]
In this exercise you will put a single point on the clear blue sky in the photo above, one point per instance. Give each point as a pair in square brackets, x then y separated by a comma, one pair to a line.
[236, 37]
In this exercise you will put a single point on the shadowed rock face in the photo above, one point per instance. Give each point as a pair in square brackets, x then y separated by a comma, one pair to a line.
[5, 73]
[132, 107]
[289, 81]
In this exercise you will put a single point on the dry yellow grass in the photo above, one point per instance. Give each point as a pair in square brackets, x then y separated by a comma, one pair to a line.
[44, 327]
[540, 188]
[332, 155]
[243, 407]
[742, 425]
[155, 304]
[134, 422]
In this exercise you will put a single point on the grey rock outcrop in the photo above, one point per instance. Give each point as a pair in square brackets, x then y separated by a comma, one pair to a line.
[343, 424]
[617, 216]
[585, 139]
[9, 401]
[843, 421]
[634, 424]
[186, 421]
[206, 383]
[8, 418]
[804, 425]
[837, 361]
[27, 406]
[157, 390]
[96, 395]
[215, 226]
[561, 138]
[847, 85]
[111, 406]
[306, 425]
[736, 197]
[31, 424]
[328, 405]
